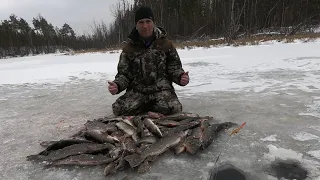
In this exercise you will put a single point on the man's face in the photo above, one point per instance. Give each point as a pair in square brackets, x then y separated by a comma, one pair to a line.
[145, 27]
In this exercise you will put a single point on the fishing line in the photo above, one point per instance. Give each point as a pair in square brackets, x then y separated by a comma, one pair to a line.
[235, 131]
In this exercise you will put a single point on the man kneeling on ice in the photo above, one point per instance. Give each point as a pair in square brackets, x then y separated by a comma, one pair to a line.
[147, 68]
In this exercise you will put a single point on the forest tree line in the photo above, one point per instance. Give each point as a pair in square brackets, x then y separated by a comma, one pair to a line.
[182, 19]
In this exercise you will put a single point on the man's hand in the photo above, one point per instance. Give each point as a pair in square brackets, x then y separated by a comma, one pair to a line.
[184, 79]
[113, 87]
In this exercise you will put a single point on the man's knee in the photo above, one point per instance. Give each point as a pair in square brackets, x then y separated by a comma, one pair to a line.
[168, 108]
[128, 104]
[167, 103]
[115, 109]
[175, 106]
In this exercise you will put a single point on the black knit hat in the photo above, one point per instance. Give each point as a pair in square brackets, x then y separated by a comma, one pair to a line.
[144, 12]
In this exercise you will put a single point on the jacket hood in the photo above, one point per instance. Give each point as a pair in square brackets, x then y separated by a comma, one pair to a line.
[134, 36]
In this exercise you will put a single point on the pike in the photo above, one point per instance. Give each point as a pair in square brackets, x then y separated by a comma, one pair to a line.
[167, 123]
[130, 145]
[155, 115]
[111, 119]
[55, 145]
[194, 141]
[129, 130]
[152, 127]
[155, 149]
[128, 122]
[97, 125]
[100, 137]
[138, 122]
[83, 160]
[148, 140]
[75, 149]
[201, 137]
[181, 128]
[110, 169]
[181, 116]
[211, 131]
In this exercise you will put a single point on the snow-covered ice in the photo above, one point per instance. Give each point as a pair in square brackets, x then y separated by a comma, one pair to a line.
[274, 87]
[285, 154]
[270, 138]
[249, 68]
[315, 154]
[304, 136]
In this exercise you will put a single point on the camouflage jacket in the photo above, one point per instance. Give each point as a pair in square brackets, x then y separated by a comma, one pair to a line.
[148, 69]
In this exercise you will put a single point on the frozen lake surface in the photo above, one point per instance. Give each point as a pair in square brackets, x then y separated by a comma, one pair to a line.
[274, 87]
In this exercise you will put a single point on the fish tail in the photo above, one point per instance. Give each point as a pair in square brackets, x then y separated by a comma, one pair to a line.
[134, 160]
[34, 158]
[46, 143]
[179, 149]
[49, 165]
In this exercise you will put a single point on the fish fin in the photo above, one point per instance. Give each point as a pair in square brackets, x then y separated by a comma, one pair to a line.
[134, 160]
[44, 153]
[179, 148]
[144, 167]
[46, 143]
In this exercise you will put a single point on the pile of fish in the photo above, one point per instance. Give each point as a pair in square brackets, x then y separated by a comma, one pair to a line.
[131, 141]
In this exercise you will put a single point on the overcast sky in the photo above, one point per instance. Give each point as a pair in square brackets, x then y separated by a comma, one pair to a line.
[79, 14]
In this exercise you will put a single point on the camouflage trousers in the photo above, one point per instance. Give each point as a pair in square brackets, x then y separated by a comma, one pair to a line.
[133, 103]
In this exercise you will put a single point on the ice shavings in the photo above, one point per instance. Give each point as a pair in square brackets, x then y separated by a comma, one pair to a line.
[210, 164]
[271, 177]
[269, 138]
[281, 153]
[304, 136]
[315, 154]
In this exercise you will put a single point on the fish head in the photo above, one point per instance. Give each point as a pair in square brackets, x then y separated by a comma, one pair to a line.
[227, 125]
